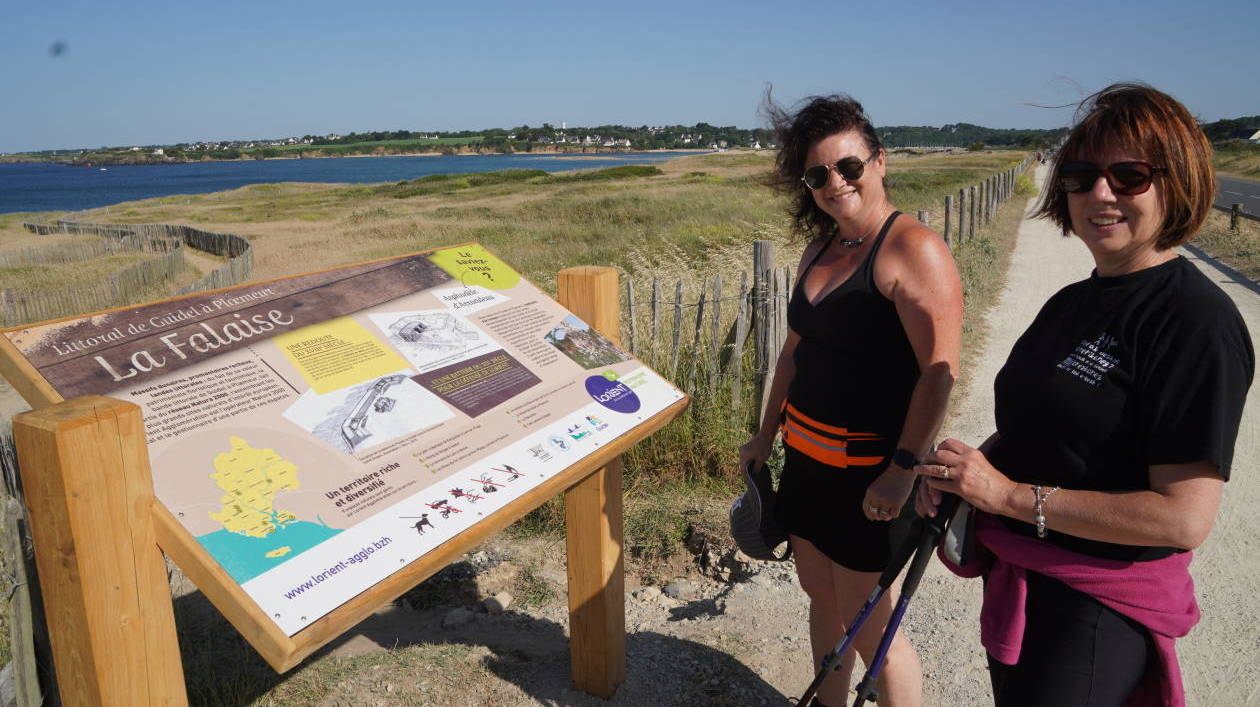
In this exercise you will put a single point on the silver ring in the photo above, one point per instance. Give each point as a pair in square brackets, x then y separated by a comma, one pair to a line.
[945, 472]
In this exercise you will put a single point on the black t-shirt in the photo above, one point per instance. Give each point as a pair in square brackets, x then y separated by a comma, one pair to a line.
[1117, 374]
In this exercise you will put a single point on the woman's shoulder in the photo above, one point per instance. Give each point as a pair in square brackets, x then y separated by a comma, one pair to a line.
[910, 237]
[910, 246]
[1190, 297]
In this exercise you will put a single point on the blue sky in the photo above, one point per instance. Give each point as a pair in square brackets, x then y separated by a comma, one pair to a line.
[145, 72]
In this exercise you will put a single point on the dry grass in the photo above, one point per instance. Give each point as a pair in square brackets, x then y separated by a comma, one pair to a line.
[1237, 158]
[1239, 249]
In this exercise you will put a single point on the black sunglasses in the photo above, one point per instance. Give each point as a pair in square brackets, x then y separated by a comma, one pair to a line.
[851, 168]
[1125, 178]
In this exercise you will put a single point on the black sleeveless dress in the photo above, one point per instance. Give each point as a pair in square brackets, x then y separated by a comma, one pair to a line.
[855, 372]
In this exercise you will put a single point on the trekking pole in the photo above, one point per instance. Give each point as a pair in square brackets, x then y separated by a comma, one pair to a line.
[831, 661]
[930, 531]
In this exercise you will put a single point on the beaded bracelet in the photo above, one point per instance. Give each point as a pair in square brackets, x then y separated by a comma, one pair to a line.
[1039, 501]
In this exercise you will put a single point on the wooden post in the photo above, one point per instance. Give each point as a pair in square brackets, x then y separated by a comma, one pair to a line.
[737, 350]
[763, 263]
[593, 521]
[923, 217]
[656, 304]
[949, 208]
[1235, 216]
[21, 609]
[962, 205]
[630, 311]
[695, 342]
[971, 213]
[715, 341]
[89, 491]
[678, 293]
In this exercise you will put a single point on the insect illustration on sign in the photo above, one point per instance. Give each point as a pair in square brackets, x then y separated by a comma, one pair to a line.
[459, 493]
[510, 470]
[488, 486]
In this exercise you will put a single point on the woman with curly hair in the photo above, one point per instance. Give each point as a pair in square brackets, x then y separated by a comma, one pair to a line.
[861, 385]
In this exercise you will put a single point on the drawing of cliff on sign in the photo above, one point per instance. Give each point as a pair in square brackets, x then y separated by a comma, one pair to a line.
[368, 414]
[587, 347]
[433, 338]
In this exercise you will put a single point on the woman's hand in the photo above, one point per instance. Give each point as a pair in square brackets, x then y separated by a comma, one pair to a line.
[959, 469]
[887, 494]
[755, 451]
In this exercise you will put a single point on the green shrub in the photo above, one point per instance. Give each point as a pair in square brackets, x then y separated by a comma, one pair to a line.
[1024, 185]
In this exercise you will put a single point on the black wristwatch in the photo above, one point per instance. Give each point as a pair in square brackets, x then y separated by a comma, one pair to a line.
[904, 459]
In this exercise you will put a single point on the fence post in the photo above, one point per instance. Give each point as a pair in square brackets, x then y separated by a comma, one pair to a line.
[971, 221]
[656, 303]
[695, 342]
[593, 520]
[630, 308]
[715, 343]
[89, 491]
[1235, 216]
[949, 209]
[923, 217]
[22, 611]
[962, 205]
[737, 352]
[673, 361]
[763, 262]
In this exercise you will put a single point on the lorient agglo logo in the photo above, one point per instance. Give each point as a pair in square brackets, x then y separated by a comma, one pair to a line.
[612, 394]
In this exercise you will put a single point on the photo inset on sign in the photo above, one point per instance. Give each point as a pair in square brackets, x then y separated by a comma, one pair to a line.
[368, 414]
[433, 338]
[587, 347]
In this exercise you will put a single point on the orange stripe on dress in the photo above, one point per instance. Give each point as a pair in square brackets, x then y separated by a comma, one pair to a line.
[833, 453]
[841, 432]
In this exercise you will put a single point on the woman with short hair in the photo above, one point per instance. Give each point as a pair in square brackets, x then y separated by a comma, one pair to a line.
[1117, 413]
[861, 385]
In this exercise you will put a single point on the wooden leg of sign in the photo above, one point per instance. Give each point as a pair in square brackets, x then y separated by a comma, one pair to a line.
[592, 515]
[590, 291]
[597, 608]
[89, 493]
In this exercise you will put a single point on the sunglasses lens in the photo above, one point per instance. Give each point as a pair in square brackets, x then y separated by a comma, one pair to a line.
[1130, 178]
[1078, 177]
[816, 177]
[850, 168]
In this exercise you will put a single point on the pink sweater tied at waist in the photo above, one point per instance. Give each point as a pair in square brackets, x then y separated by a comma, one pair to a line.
[1158, 594]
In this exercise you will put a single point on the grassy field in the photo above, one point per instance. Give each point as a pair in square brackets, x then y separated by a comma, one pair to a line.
[695, 207]
[1238, 158]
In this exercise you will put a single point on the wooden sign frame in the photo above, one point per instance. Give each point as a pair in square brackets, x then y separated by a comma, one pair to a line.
[68, 449]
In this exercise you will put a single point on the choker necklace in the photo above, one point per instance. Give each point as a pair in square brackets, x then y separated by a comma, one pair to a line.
[852, 242]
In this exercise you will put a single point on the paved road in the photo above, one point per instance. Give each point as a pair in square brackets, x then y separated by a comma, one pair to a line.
[1219, 656]
[1239, 191]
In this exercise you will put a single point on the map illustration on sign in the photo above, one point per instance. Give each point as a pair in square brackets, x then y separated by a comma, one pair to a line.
[257, 534]
[317, 433]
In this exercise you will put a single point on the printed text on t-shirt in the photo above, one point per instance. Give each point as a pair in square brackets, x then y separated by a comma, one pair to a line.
[1090, 361]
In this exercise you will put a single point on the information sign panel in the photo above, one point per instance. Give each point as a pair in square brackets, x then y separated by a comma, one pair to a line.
[316, 433]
